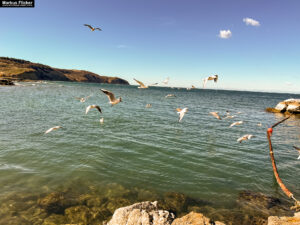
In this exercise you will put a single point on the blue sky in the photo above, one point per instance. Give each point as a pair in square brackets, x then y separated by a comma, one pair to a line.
[152, 40]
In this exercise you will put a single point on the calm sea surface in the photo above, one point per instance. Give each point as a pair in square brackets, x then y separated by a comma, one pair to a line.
[146, 148]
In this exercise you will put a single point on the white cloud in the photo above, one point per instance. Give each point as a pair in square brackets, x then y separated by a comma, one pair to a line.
[251, 22]
[225, 34]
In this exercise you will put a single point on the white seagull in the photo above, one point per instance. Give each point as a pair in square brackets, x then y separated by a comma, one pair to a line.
[111, 97]
[181, 113]
[92, 28]
[83, 99]
[215, 114]
[166, 81]
[298, 149]
[214, 78]
[92, 107]
[245, 137]
[236, 123]
[170, 95]
[52, 128]
[142, 85]
[102, 120]
[148, 106]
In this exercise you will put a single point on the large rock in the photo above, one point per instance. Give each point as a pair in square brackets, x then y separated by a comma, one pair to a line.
[287, 106]
[275, 220]
[195, 219]
[144, 213]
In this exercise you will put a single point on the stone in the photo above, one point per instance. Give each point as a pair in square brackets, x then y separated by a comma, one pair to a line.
[144, 213]
[284, 220]
[78, 215]
[281, 106]
[195, 219]
[293, 107]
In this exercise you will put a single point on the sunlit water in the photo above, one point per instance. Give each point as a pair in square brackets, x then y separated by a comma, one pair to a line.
[140, 147]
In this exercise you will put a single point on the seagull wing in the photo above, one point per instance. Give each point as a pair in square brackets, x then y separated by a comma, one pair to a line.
[88, 109]
[49, 130]
[298, 149]
[98, 28]
[215, 114]
[88, 26]
[166, 80]
[99, 109]
[216, 78]
[178, 109]
[140, 83]
[109, 94]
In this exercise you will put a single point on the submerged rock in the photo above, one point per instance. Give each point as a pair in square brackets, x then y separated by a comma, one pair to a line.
[6, 82]
[195, 219]
[144, 213]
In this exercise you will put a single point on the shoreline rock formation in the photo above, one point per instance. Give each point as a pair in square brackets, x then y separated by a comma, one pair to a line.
[291, 106]
[12, 69]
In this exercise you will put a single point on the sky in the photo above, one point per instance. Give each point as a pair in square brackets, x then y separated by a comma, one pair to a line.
[153, 39]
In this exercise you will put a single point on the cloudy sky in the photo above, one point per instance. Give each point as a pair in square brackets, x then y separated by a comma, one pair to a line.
[252, 45]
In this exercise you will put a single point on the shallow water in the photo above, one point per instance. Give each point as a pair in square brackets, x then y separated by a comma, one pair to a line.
[144, 148]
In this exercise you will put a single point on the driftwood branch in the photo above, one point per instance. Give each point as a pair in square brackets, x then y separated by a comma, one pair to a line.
[279, 181]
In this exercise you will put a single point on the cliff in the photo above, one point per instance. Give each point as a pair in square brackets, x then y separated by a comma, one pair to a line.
[22, 70]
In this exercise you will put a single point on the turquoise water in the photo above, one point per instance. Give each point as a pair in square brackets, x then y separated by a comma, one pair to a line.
[139, 147]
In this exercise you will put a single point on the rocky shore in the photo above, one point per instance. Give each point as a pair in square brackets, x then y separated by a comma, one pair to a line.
[114, 205]
[289, 106]
[22, 70]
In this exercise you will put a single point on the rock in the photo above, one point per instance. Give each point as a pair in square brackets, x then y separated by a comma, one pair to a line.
[287, 106]
[55, 202]
[6, 82]
[281, 106]
[78, 215]
[293, 107]
[144, 213]
[195, 219]
[275, 220]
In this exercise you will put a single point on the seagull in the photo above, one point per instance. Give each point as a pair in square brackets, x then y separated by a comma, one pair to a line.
[52, 128]
[193, 87]
[214, 77]
[142, 85]
[92, 107]
[102, 120]
[298, 149]
[215, 114]
[83, 99]
[166, 81]
[229, 117]
[245, 137]
[181, 113]
[92, 28]
[259, 124]
[170, 95]
[236, 123]
[111, 97]
[148, 106]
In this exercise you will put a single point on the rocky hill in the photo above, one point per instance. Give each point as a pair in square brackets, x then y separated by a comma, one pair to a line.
[22, 70]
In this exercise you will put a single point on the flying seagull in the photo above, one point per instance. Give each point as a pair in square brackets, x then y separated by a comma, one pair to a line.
[166, 81]
[298, 149]
[52, 128]
[215, 114]
[181, 113]
[214, 78]
[92, 28]
[111, 97]
[245, 137]
[83, 99]
[142, 85]
[92, 107]
[170, 95]
[236, 123]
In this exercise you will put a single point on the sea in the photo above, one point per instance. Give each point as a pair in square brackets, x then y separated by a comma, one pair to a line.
[140, 153]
